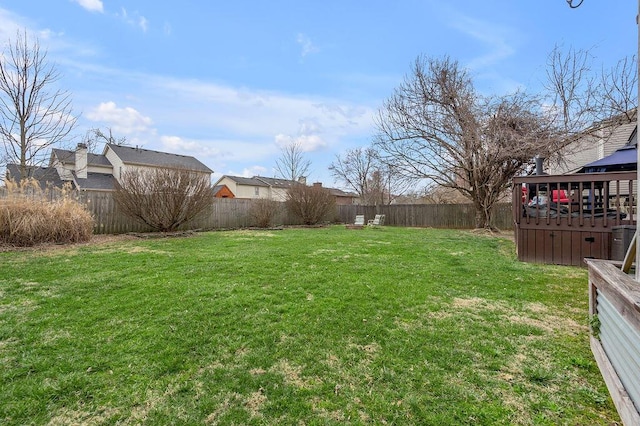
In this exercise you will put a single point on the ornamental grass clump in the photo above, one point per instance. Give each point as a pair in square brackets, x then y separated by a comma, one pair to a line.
[30, 216]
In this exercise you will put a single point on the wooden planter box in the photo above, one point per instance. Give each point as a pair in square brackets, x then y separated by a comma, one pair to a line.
[614, 313]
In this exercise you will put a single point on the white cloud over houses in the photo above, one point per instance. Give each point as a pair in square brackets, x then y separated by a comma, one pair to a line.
[190, 147]
[125, 121]
[91, 5]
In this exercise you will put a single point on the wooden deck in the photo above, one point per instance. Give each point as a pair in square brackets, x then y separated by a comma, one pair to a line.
[563, 219]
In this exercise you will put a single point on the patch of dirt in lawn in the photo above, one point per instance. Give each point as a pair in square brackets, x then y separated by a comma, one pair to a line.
[292, 374]
[57, 248]
[534, 314]
[223, 408]
[247, 234]
[66, 416]
[255, 402]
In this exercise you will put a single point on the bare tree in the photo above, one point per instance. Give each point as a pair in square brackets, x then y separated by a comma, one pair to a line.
[436, 127]
[96, 138]
[34, 115]
[572, 87]
[618, 90]
[580, 96]
[353, 169]
[162, 198]
[376, 182]
[311, 204]
[292, 164]
[588, 104]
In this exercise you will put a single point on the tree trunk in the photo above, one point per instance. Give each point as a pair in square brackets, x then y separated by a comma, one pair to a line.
[483, 217]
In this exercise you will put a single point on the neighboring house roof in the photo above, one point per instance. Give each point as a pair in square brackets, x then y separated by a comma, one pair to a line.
[96, 182]
[252, 181]
[69, 157]
[147, 157]
[340, 193]
[262, 181]
[44, 175]
[276, 182]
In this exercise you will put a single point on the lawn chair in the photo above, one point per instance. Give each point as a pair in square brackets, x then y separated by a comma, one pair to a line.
[358, 224]
[377, 221]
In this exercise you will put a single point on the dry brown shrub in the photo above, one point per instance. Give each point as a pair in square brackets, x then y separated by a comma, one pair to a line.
[30, 216]
[263, 211]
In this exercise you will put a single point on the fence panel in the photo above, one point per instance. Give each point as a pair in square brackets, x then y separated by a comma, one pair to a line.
[234, 213]
[454, 216]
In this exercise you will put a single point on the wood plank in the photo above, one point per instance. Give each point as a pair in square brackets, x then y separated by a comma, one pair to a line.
[619, 395]
[620, 289]
[577, 256]
[566, 252]
[630, 255]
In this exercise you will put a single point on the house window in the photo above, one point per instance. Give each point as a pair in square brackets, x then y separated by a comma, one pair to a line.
[257, 191]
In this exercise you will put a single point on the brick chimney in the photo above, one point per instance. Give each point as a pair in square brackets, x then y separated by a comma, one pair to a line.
[317, 184]
[81, 161]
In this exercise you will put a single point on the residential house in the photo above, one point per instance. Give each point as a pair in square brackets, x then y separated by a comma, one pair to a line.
[273, 188]
[595, 143]
[99, 172]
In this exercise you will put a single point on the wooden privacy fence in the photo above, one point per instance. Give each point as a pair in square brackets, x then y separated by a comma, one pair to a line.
[226, 213]
[453, 216]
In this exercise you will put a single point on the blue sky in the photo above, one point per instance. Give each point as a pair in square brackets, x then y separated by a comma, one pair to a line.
[232, 82]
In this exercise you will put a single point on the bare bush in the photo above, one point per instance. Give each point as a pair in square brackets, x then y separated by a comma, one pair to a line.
[312, 204]
[263, 211]
[163, 199]
[30, 216]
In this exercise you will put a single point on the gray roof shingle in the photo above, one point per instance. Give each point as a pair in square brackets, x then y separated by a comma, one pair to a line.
[147, 157]
[69, 157]
[97, 182]
[44, 175]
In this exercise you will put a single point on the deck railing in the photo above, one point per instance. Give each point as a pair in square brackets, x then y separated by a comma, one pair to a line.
[564, 219]
[586, 199]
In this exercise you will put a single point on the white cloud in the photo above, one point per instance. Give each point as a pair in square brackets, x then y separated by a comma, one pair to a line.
[10, 24]
[133, 19]
[307, 46]
[307, 143]
[255, 171]
[91, 5]
[126, 121]
[496, 39]
[192, 147]
[143, 23]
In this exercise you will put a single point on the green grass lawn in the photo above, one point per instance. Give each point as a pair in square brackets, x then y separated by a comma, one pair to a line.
[297, 327]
